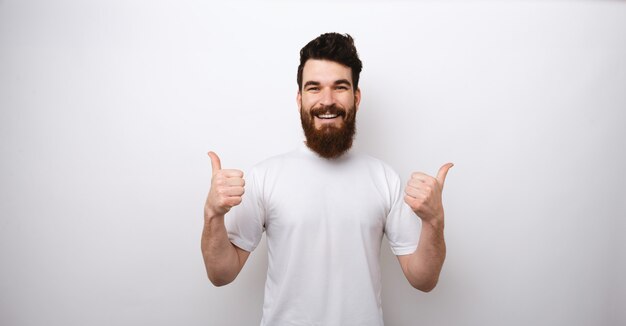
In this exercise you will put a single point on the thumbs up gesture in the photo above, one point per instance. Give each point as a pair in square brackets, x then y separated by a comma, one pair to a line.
[226, 189]
[423, 195]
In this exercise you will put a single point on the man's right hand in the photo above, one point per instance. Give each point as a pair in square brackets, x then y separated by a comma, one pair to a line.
[226, 189]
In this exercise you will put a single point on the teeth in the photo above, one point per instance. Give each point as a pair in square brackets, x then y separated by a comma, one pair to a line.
[327, 116]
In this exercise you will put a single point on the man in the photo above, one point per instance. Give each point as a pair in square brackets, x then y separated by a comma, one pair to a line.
[324, 209]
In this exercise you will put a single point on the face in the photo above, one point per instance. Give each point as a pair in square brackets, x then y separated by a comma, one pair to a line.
[328, 105]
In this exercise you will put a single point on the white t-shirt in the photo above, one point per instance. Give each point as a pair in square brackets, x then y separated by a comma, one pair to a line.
[325, 221]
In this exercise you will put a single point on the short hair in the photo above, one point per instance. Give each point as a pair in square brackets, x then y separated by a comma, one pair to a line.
[333, 47]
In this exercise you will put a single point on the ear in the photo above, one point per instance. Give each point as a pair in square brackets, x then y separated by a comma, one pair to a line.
[357, 98]
[299, 101]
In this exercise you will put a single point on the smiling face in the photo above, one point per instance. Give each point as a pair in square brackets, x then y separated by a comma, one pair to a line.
[328, 105]
[326, 84]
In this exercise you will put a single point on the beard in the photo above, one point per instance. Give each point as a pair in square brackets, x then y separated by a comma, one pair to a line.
[329, 141]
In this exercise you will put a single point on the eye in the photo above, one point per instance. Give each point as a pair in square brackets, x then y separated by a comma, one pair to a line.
[342, 88]
[313, 89]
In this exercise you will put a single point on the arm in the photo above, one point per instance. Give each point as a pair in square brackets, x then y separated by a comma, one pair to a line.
[423, 195]
[422, 267]
[223, 260]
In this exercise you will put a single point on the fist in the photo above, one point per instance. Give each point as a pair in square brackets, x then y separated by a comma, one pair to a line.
[423, 195]
[226, 189]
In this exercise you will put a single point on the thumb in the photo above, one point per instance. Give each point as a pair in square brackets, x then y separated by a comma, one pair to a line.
[443, 171]
[216, 165]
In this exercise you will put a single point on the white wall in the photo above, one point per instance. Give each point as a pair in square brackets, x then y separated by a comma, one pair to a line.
[107, 110]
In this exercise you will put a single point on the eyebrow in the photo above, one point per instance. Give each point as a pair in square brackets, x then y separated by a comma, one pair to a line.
[337, 82]
[342, 81]
[311, 83]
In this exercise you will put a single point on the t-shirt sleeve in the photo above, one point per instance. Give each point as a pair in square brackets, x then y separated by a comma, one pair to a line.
[402, 226]
[245, 222]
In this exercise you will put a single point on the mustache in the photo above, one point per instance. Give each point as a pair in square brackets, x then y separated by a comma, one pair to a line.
[330, 109]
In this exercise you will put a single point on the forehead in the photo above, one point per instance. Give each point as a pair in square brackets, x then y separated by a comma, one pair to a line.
[325, 71]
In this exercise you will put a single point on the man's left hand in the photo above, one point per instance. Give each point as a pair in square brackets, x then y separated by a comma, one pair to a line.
[423, 195]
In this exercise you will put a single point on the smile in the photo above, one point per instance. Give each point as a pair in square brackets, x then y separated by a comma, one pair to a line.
[327, 116]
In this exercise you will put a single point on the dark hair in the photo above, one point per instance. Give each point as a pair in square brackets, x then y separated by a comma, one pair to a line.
[334, 47]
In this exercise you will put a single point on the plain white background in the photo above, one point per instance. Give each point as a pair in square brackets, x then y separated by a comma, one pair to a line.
[107, 110]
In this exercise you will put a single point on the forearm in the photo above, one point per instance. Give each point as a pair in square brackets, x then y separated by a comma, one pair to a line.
[220, 256]
[424, 265]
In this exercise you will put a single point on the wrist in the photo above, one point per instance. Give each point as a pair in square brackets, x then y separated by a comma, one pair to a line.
[435, 224]
[211, 215]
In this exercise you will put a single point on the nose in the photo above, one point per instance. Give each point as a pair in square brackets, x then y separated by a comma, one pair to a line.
[326, 97]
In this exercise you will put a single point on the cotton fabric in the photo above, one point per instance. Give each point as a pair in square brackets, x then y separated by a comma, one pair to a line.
[324, 222]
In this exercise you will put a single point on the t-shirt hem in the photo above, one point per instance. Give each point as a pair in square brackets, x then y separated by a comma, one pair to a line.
[401, 251]
[242, 244]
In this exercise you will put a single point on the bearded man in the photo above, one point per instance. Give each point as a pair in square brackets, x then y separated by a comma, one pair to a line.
[324, 209]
